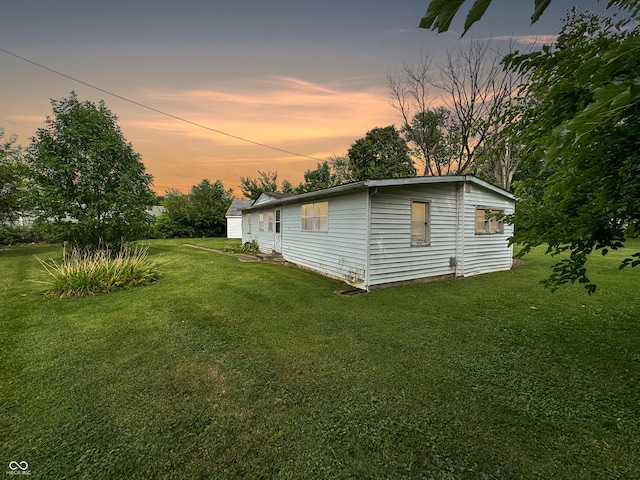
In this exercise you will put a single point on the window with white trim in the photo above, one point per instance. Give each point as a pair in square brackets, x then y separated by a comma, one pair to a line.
[261, 222]
[248, 223]
[420, 228]
[489, 221]
[315, 217]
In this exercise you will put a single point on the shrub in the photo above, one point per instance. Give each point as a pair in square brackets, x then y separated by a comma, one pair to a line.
[247, 247]
[84, 273]
[165, 227]
[49, 232]
[251, 247]
[15, 234]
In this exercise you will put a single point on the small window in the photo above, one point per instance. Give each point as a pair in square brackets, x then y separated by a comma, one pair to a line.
[489, 222]
[261, 222]
[277, 221]
[419, 223]
[248, 223]
[315, 217]
[270, 221]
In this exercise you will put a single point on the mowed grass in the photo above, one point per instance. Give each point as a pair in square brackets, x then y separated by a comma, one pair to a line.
[224, 369]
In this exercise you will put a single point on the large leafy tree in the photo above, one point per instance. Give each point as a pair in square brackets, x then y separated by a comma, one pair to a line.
[435, 139]
[579, 122]
[381, 153]
[210, 203]
[201, 213]
[87, 178]
[12, 176]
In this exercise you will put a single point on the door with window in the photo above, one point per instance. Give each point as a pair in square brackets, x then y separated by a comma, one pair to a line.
[277, 239]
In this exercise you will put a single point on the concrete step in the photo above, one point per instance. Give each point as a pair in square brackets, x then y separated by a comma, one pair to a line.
[271, 257]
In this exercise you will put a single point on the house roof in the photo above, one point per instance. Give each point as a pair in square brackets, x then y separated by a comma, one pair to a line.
[268, 197]
[388, 182]
[278, 195]
[235, 209]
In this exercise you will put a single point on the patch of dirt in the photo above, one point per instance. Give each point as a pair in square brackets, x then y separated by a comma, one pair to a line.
[517, 262]
[349, 291]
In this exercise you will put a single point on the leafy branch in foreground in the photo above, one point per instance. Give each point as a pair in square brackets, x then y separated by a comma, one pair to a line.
[87, 272]
[584, 192]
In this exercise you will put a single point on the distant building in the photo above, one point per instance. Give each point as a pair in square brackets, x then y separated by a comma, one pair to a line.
[234, 217]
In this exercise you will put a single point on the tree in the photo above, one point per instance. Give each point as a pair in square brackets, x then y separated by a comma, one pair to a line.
[580, 114]
[381, 153]
[287, 187]
[12, 176]
[252, 188]
[210, 204]
[340, 167]
[499, 163]
[177, 219]
[87, 179]
[321, 177]
[436, 140]
[201, 213]
[473, 88]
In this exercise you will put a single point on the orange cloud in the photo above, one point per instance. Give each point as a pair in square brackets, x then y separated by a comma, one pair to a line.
[314, 120]
[272, 109]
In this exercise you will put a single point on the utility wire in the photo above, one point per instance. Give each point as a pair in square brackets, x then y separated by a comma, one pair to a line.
[156, 110]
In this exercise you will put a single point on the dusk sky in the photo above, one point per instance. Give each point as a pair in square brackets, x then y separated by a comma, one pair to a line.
[306, 77]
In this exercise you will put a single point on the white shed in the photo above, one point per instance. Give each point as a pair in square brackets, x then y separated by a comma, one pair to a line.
[234, 217]
[376, 232]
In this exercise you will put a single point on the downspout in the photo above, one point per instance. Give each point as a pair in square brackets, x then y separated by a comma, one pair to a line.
[460, 210]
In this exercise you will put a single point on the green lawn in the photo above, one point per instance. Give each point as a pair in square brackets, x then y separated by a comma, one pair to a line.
[224, 369]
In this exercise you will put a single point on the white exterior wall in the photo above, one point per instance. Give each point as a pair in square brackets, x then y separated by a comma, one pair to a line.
[234, 227]
[341, 251]
[249, 233]
[265, 238]
[392, 257]
[485, 253]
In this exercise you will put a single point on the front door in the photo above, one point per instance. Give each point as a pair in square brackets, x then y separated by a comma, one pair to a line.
[277, 241]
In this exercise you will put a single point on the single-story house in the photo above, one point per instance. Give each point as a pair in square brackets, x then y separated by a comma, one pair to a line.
[376, 232]
[234, 217]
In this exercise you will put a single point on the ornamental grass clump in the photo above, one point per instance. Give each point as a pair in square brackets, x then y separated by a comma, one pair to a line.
[85, 273]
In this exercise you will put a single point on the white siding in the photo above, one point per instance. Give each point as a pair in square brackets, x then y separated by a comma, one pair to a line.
[339, 252]
[264, 238]
[392, 257]
[485, 253]
[234, 227]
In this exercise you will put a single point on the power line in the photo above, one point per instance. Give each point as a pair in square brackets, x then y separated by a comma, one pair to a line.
[175, 117]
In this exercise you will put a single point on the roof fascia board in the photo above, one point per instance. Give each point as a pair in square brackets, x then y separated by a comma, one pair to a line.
[388, 182]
